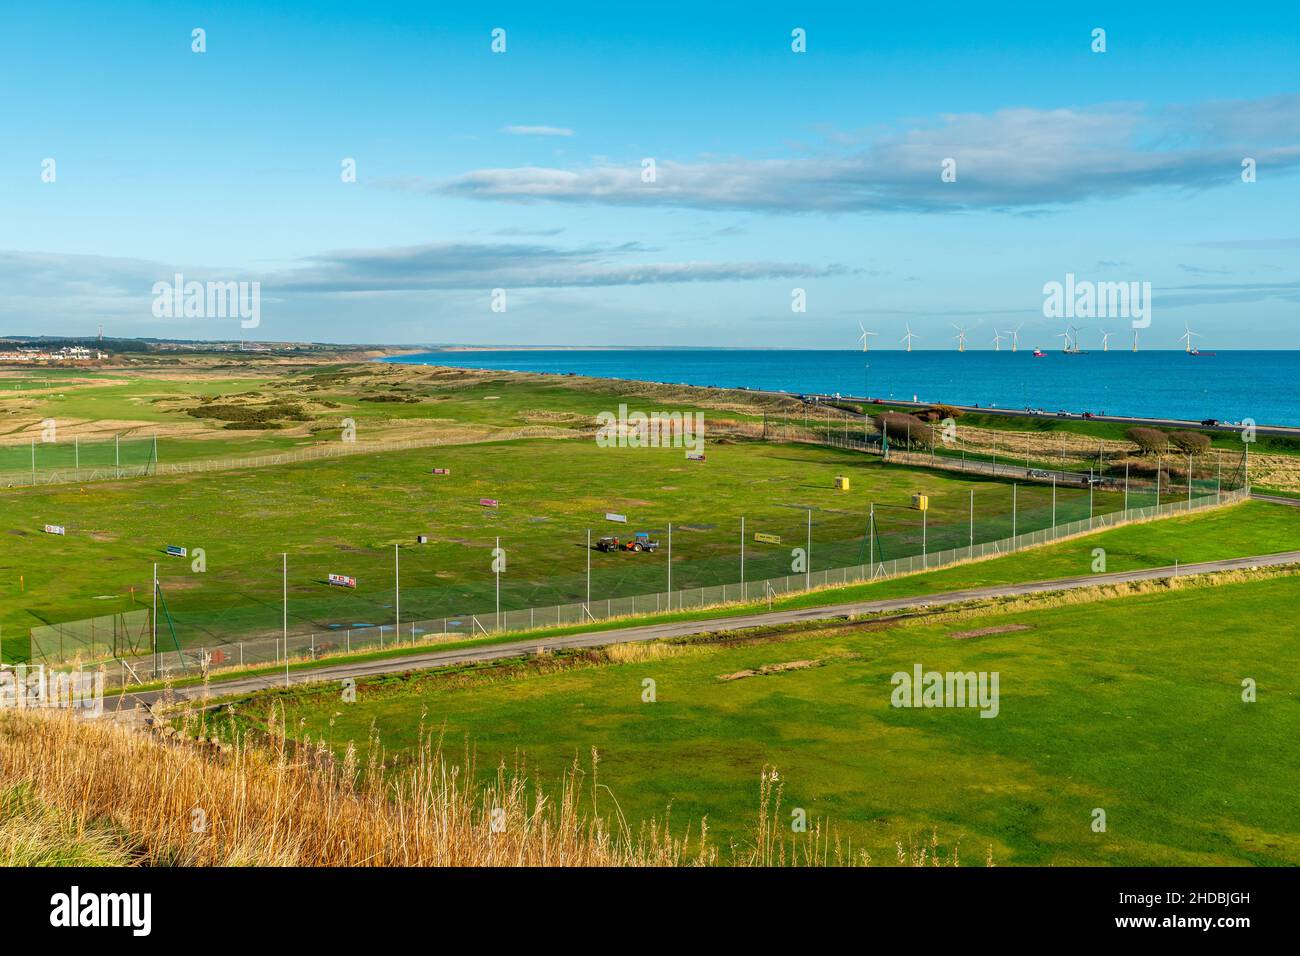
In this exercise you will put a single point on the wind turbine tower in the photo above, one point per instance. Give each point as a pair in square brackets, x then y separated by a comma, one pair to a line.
[863, 337]
[960, 337]
[909, 336]
[1187, 337]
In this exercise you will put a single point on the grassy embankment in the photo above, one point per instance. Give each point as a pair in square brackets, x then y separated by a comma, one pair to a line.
[1129, 700]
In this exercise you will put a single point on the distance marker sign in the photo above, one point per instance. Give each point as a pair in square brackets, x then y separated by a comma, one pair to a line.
[55, 529]
[342, 581]
[767, 538]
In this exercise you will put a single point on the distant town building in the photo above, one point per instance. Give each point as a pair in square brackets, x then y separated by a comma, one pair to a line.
[66, 353]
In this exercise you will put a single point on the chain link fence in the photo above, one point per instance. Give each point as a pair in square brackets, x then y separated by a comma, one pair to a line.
[53, 463]
[172, 662]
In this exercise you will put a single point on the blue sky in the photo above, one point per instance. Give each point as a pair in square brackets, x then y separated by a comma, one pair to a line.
[775, 170]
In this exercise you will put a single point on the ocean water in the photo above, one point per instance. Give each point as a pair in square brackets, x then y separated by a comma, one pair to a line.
[1229, 386]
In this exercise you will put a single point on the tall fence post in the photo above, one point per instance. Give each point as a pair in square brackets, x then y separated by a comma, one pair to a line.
[871, 543]
[284, 580]
[670, 565]
[807, 568]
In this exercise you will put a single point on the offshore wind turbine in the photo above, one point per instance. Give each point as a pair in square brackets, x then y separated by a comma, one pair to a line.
[1015, 336]
[997, 340]
[863, 337]
[1076, 330]
[1105, 341]
[909, 336]
[1065, 335]
[1135, 340]
[960, 337]
[1187, 336]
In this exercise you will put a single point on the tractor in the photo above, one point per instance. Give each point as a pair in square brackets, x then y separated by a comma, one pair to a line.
[641, 542]
[638, 542]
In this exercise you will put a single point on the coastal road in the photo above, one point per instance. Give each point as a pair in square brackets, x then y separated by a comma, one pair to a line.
[1282, 430]
[523, 648]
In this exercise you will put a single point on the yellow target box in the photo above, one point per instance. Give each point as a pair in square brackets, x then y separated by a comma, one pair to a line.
[841, 483]
[921, 502]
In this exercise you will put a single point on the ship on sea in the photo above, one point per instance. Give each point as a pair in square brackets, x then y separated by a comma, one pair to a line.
[1187, 337]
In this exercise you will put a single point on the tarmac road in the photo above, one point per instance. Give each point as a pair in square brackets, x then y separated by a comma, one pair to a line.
[1282, 430]
[523, 648]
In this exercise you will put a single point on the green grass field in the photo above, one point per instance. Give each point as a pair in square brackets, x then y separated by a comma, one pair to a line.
[381, 401]
[1247, 529]
[1132, 705]
[344, 516]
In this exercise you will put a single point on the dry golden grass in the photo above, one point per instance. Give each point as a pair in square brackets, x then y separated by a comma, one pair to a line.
[32, 834]
[104, 793]
[281, 804]
[640, 652]
[1276, 471]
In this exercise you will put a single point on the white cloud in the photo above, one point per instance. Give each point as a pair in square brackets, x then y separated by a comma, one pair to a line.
[1015, 159]
[121, 284]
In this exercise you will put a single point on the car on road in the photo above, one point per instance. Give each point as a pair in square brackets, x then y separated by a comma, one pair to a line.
[1038, 473]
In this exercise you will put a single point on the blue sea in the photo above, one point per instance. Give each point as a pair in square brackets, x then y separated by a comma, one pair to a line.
[1229, 386]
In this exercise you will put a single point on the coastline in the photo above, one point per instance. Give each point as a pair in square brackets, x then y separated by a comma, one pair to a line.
[1068, 415]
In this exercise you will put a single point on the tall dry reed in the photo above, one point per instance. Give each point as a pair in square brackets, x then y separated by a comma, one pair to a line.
[277, 803]
[266, 800]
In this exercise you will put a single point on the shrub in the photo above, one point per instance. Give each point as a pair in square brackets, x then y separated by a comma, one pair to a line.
[1150, 441]
[390, 397]
[1190, 443]
[902, 428]
[250, 416]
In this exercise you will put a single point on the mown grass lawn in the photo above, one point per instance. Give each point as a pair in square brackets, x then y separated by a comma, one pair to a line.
[1129, 705]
